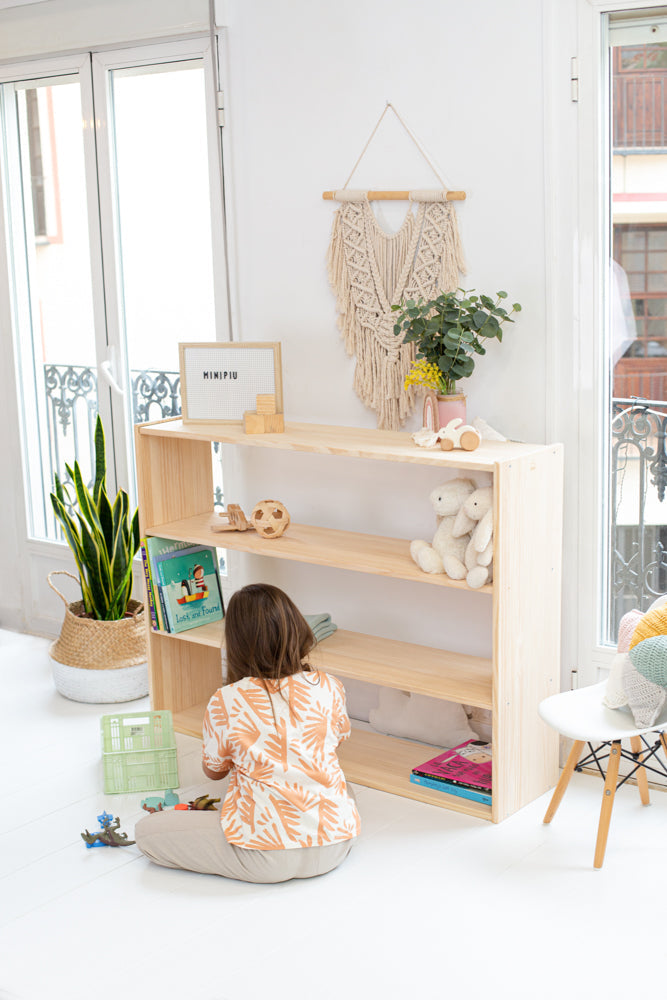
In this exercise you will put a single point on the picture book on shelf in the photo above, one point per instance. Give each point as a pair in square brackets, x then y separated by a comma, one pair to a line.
[151, 547]
[190, 586]
[450, 788]
[156, 551]
[150, 591]
[467, 766]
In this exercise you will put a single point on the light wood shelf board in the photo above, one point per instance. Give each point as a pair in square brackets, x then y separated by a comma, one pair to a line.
[384, 762]
[316, 545]
[437, 673]
[355, 442]
[371, 759]
[204, 635]
[406, 666]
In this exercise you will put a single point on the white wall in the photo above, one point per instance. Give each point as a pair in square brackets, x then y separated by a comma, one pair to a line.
[307, 82]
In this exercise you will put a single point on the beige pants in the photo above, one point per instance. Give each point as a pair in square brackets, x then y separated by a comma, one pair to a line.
[193, 839]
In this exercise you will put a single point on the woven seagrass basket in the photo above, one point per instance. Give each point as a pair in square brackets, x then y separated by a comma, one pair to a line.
[101, 661]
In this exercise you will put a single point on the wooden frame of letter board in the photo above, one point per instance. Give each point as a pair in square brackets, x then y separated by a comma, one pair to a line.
[216, 345]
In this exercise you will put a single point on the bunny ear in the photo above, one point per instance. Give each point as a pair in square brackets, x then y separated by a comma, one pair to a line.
[463, 524]
[484, 531]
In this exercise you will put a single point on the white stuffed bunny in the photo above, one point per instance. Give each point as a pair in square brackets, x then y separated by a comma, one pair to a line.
[475, 522]
[447, 551]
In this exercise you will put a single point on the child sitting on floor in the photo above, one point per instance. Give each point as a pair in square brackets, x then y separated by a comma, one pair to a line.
[273, 728]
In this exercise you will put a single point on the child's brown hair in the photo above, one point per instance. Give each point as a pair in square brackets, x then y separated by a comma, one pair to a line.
[266, 636]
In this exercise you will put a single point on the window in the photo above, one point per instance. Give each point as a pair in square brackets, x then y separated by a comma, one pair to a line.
[116, 251]
[636, 531]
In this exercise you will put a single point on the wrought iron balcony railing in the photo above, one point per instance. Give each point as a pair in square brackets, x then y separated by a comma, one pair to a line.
[637, 515]
[71, 405]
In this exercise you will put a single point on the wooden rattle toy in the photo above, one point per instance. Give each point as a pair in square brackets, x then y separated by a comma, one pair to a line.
[269, 518]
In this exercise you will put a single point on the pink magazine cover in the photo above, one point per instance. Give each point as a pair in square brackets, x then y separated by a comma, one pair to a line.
[467, 764]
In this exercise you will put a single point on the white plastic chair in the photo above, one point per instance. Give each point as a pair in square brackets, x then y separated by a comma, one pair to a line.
[581, 716]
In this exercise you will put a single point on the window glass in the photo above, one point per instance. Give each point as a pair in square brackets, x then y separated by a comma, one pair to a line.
[636, 531]
[45, 190]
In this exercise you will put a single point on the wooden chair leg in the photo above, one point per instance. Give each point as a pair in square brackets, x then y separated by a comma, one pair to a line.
[642, 777]
[607, 802]
[564, 780]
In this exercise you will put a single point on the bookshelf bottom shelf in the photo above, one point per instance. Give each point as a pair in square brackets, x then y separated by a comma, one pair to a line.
[368, 758]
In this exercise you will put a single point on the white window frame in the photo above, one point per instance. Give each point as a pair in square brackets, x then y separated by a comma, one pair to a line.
[148, 55]
[578, 254]
[41, 612]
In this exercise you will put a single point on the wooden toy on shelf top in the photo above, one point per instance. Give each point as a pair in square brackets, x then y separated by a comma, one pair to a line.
[455, 435]
[269, 518]
[265, 419]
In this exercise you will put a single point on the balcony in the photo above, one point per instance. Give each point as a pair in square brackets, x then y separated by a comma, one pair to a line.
[637, 511]
[71, 410]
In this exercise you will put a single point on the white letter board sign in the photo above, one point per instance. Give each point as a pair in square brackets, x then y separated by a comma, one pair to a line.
[221, 381]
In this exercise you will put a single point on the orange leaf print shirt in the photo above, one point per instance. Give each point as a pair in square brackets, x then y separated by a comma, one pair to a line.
[286, 788]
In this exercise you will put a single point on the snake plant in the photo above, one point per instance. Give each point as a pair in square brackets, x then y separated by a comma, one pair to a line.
[103, 537]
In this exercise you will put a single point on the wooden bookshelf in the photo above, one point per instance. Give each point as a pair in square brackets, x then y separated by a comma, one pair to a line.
[524, 667]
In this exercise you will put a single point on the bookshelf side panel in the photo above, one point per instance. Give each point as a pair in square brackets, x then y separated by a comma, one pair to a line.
[527, 625]
[182, 674]
[174, 478]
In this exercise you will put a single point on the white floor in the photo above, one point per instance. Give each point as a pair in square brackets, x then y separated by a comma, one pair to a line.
[428, 904]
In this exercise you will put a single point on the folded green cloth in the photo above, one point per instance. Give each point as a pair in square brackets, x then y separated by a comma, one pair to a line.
[315, 620]
[319, 636]
[321, 625]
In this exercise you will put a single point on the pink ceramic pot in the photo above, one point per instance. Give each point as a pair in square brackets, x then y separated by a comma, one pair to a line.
[439, 410]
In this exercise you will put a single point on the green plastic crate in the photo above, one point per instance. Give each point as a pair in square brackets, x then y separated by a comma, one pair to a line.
[139, 752]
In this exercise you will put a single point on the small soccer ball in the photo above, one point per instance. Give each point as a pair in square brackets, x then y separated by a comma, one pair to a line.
[270, 518]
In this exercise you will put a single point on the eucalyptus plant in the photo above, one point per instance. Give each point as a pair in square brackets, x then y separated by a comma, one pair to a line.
[448, 330]
[103, 537]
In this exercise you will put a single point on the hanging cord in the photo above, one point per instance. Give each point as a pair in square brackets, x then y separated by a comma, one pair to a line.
[412, 136]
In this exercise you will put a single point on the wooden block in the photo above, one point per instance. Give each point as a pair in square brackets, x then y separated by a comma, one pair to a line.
[258, 423]
[266, 404]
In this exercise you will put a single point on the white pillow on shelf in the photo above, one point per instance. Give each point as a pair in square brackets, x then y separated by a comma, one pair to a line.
[417, 717]
[361, 698]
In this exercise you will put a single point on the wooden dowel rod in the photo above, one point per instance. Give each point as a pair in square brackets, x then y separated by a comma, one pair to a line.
[395, 195]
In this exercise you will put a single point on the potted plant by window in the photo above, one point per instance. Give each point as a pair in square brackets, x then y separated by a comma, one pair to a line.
[100, 655]
[447, 332]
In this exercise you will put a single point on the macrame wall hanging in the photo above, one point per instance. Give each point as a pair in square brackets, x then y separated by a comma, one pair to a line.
[370, 270]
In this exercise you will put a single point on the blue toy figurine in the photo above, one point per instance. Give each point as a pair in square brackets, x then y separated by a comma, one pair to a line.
[109, 836]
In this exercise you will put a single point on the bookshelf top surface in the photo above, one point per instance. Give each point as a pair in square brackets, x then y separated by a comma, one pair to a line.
[391, 446]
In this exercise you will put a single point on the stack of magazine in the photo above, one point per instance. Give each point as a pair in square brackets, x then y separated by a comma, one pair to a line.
[464, 771]
[182, 584]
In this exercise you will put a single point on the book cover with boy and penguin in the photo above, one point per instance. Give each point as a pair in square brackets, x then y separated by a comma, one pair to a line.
[187, 581]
